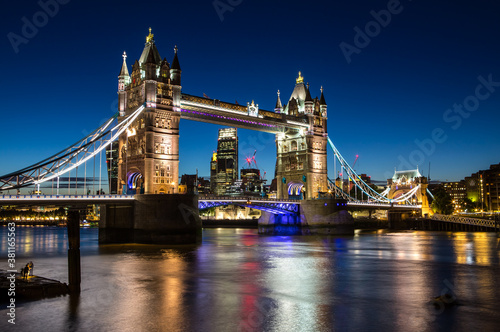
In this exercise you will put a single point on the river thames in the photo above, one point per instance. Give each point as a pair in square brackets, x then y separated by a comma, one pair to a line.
[237, 280]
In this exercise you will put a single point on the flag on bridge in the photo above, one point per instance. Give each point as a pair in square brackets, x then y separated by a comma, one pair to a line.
[205, 96]
[236, 102]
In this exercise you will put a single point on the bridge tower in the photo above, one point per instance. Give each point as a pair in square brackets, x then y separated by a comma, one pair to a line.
[301, 163]
[149, 150]
[404, 181]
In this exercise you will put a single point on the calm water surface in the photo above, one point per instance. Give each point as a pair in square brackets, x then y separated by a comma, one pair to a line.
[237, 280]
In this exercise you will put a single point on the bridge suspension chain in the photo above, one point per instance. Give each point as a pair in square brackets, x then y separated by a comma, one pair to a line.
[365, 188]
[385, 192]
[407, 196]
[339, 193]
[71, 157]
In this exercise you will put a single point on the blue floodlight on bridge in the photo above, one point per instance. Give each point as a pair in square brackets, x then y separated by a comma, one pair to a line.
[268, 205]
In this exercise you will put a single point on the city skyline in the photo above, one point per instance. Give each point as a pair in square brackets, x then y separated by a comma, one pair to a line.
[391, 91]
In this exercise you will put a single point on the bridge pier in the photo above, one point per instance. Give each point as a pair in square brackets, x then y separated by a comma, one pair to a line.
[155, 219]
[280, 224]
[398, 219]
[321, 217]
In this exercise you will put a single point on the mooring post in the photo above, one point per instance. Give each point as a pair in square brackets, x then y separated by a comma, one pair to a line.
[74, 272]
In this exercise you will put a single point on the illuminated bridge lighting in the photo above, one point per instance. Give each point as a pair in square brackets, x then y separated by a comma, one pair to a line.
[276, 207]
[230, 118]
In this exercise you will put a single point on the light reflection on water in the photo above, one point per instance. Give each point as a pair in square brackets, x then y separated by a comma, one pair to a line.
[237, 280]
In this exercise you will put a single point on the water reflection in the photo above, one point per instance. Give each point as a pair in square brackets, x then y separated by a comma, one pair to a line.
[238, 280]
[474, 248]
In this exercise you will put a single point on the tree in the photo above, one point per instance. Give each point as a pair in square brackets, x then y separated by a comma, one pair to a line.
[442, 202]
[468, 205]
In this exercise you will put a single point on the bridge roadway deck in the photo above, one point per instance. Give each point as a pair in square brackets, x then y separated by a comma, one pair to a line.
[350, 204]
[103, 199]
[215, 111]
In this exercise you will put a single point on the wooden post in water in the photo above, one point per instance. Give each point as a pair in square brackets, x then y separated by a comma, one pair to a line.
[74, 271]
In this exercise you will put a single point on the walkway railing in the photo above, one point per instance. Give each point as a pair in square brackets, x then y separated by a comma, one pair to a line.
[246, 199]
[466, 220]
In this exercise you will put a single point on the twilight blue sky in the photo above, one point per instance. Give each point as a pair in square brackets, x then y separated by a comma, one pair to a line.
[397, 89]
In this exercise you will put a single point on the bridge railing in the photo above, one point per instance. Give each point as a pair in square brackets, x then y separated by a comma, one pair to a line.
[245, 198]
[466, 220]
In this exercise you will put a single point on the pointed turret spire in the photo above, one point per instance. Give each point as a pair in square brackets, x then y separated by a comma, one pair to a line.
[322, 99]
[175, 69]
[150, 53]
[175, 62]
[124, 71]
[308, 94]
[279, 105]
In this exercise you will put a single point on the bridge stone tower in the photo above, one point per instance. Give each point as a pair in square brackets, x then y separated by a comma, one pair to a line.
[149, 150]
[301, 163]
[404, 181]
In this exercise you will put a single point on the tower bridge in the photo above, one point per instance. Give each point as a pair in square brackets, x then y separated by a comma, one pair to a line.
[146, 129]
[149, 150]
